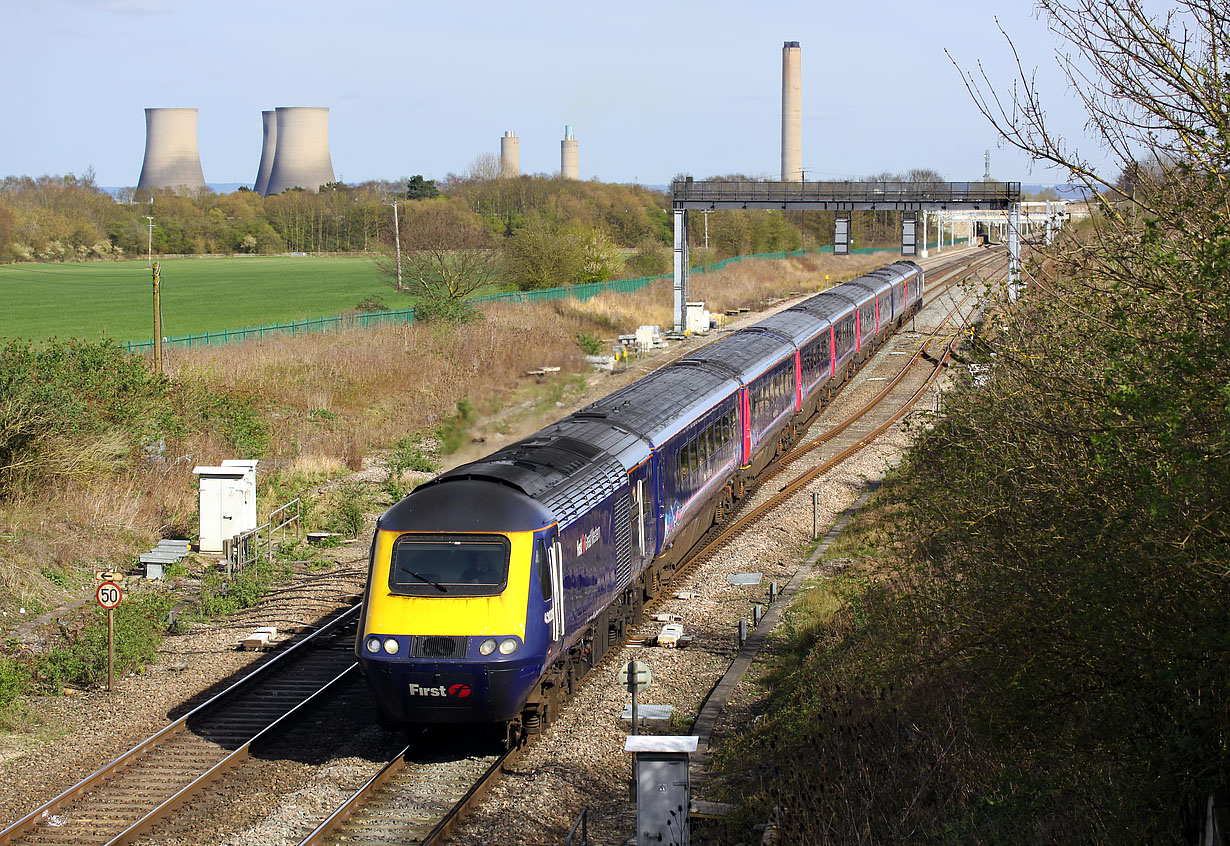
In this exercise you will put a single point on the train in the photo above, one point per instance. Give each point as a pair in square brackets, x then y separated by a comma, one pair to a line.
[495, 586]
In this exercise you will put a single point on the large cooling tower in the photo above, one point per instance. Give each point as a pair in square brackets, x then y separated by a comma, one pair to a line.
[172, 159]
[568, 154]
[510, 155]
[792, 112]
[302, 156]
[268, 148]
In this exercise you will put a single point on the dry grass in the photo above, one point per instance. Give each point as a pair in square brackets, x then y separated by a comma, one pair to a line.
[333, 398]
[751, 284]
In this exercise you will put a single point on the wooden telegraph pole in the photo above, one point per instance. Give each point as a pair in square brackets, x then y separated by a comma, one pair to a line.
[157, 319]
[397, 240]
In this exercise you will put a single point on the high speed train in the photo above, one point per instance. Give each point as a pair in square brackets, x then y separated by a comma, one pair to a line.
[495, 586]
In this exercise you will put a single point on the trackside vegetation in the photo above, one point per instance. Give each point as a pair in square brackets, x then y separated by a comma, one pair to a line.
[1033, 644]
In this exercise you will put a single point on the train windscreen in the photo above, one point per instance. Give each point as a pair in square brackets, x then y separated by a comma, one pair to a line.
[449, 565]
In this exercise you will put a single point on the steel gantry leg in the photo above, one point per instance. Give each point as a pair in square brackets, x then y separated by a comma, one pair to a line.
[681, 268]
[1014, 252]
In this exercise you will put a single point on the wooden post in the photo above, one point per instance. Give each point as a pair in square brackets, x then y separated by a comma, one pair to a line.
[157, 319]
[110, 649]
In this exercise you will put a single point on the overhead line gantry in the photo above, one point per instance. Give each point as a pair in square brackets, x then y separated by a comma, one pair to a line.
[909, 198]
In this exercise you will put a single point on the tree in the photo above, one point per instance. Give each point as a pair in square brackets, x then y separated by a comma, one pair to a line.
[536, 257]
[418, 188]
[447, 257]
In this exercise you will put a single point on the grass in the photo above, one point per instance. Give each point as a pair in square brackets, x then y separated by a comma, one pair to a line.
[114, 299]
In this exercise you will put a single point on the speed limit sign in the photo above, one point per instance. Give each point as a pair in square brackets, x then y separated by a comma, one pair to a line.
[109, 595]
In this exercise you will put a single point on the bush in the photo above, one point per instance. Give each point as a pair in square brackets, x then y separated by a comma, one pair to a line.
[651, 258]
[451, 433]
[591, 344]
[81, 660]
[74, 409]
[408, 454]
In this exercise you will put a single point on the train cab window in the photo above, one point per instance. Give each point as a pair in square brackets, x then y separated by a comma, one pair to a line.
[449, 565]
[544, 569]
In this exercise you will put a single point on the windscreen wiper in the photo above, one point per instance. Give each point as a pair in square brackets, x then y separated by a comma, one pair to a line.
[423, 578]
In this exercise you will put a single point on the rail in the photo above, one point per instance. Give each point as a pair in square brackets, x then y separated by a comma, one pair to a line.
[91, 784]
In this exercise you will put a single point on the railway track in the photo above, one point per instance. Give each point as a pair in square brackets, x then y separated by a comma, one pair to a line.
[746, 514]
[127, 798]
[392, 807]
[417, 797]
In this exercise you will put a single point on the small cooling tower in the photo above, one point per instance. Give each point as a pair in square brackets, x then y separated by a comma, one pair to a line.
[510, 155]
[172, 159]
[302, 158]
[568, 154]
[792, 112]
[269, 147]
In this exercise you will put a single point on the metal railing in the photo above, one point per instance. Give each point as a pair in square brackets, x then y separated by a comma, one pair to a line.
[582, 822]
[245, 548]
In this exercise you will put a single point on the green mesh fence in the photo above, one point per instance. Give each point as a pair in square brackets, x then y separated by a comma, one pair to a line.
[369, 319]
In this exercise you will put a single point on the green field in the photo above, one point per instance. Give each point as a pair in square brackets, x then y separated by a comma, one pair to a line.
[115, 299]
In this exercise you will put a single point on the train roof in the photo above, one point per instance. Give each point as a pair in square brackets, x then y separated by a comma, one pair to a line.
[798, 326]
[830, 305]
[745, 355]
[660, 404]
[466, 505]
[567, 475]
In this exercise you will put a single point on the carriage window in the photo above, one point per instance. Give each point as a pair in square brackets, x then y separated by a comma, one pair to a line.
[544, 569]
[692, 462]
[681, 462]
[449, 565]
[702, 448]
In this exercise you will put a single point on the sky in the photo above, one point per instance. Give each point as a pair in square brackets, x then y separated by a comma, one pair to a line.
[653, 89]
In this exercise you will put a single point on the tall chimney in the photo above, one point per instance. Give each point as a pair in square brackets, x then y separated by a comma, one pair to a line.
[172, 158]
[568, 154]
[301, 159]
[269, 146]
[792, 113]
[510, 155]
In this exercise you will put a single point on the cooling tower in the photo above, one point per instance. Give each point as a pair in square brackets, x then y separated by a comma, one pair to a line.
[302, 158]
[172, 159]
[568, 154]
[792, 112]
[510, 154]
[268, 148]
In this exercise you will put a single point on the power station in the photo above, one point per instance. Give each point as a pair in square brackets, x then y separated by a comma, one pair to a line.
[568, 154]
[269, 146]
[301, 156]
[792, 112]
[172, 158]
[510, 155]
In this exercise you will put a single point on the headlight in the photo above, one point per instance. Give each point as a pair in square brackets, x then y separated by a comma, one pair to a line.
[390, 645]
[487, 646]
[508, 646]
[373, 644]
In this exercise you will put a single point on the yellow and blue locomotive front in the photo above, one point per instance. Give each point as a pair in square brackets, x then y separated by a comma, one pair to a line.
[456, 621]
